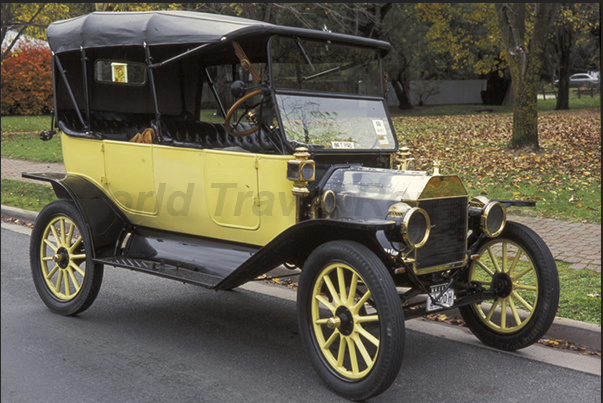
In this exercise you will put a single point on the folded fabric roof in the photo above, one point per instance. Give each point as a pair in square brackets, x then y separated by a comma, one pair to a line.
[101, 29]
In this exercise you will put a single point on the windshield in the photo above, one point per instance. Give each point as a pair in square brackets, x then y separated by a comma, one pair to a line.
[306, 72]
[335, 123]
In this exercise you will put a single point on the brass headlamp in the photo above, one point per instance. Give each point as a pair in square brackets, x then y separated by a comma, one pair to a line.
[492, 215]
[412, 225]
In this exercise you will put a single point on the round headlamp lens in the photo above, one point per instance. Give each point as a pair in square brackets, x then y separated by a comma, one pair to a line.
[328, 201]
[416, 227]
[494, 219]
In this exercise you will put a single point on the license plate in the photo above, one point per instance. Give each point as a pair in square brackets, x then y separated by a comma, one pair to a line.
[446, 300]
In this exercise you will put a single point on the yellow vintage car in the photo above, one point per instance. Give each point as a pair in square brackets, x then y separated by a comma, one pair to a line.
[211, 150]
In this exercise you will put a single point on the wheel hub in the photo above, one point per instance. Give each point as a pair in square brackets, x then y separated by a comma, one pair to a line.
[344, 318]
[502, 285]
[61, 258]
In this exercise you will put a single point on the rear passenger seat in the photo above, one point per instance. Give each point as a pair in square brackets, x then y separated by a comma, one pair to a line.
[177, 131]
[198, 134]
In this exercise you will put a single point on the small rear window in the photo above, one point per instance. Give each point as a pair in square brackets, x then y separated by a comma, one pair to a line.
[120, 72]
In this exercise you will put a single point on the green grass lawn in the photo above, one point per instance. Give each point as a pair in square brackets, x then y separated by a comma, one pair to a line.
[26, 195]
[25, 124]
[28, 146]
[580, 294]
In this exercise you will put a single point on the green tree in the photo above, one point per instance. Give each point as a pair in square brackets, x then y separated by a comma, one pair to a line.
[463, 41]
[524, 50]
[575, 24]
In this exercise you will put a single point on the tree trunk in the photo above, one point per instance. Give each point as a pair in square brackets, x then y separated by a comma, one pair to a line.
[402, 93]
[565, 40]
[525, 64]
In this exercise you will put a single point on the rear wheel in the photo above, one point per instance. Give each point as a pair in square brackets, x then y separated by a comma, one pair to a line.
[65, 277]
[351, 319]
[519, 269]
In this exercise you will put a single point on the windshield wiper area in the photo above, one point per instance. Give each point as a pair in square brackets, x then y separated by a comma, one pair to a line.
[326, 72]
[304, 53]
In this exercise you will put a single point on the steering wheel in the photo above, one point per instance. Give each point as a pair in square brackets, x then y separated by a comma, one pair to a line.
[236, 106]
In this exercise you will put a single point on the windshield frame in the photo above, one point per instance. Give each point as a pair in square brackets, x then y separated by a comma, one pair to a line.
[332, 95]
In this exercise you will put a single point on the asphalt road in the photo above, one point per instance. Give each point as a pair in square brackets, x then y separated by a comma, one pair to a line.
[148, 339]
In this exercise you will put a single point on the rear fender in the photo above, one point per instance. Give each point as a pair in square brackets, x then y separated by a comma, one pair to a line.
[105, 224]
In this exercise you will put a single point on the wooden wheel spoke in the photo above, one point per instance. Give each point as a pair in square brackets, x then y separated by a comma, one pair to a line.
[331, 340]
[343, 296]
[326, 303]
[75, 244]
[57, 286]
[74, 281]
[504, 257]
[515, 312]
[361, 302]
[523, 273]
[55, 235]
[69, 235]
[62, 234]
[522, 301]
[66, 284]
[367, 318]
[353, 357]
[50, 245]
[51, 273]
[363, 352]
[525, 287]
[353, 288]
[341, 352]
[515, 261]
[492, 309]
[364, 333]
[77, 268]
[493, 259]
[485, 268]
[332, 290]
[503, 313]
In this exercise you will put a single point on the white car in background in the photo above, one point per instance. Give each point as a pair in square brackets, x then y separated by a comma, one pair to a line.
[581, 80]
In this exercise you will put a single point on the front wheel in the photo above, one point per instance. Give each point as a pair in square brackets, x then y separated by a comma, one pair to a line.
[518, 269]
[351, 319]
[60, 255]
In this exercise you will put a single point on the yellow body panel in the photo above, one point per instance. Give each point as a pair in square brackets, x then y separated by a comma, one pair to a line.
[129, 173]
[234, 196]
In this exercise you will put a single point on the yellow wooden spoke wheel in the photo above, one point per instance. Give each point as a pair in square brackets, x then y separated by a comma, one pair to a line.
[519, 274]
[351, 319]
[63, 258]
[64, 275]
[345, 324]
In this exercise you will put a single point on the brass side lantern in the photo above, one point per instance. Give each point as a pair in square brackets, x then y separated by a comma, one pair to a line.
[301, 170]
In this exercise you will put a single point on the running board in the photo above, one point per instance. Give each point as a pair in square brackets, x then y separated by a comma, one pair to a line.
[163, 270]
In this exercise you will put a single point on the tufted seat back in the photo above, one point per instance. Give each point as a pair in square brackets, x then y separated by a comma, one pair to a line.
[176, 130]
[211, 135]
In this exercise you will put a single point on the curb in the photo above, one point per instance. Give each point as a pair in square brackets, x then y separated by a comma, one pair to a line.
[19, 214]
[581, 334]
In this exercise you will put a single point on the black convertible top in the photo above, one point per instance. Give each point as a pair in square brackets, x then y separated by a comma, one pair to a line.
[102, 29]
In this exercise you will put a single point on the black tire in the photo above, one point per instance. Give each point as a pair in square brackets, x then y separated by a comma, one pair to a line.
[527, 287]
[377, 342]
[60, 256]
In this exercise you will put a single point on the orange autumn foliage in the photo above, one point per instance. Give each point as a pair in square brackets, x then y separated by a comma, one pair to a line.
[27, 82]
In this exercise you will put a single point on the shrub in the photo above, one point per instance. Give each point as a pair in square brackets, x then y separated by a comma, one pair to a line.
[27, 82]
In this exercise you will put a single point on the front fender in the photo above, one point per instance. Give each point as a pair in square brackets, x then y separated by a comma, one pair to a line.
[104, 221]
[295, 244]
